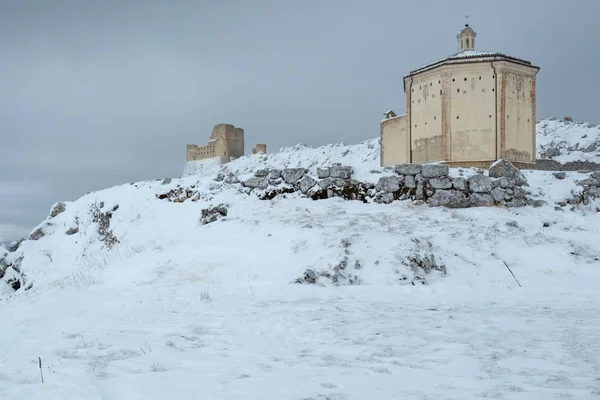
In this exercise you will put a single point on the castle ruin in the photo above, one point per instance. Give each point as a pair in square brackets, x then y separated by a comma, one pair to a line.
[226, 142]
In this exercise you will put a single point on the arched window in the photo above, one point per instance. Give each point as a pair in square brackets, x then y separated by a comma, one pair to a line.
[468, 43]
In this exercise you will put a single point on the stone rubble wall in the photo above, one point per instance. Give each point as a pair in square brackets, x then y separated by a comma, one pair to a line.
[591, 189]
[427, 183]
[553, 165]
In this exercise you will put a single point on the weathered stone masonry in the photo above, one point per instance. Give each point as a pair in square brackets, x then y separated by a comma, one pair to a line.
[427, 183]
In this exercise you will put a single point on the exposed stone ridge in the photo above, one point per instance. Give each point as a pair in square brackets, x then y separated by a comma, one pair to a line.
[429, 183]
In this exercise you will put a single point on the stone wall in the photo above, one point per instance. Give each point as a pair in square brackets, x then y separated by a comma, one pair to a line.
[552, 165]
[427, 183]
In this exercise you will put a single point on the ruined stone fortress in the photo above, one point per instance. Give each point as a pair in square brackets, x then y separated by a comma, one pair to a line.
[226, 142]
[469, 109]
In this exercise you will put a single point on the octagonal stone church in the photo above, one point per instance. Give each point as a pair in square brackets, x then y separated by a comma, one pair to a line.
[469, 109]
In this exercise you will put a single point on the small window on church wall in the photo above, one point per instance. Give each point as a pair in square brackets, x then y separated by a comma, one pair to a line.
[434, 117]
[457, 90]
[453, 79]
[440, 92]
[490, 116]
[439, 82]
[457, 117]
[465, 79]
[468, 43]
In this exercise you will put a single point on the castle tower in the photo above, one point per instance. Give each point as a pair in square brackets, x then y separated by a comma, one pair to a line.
[466, 38]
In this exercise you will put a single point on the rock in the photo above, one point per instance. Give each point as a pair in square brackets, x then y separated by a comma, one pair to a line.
[440, 183]
[559, 175]
[72, 231]
[459, 183]
[448, 198]
[499, 195]
[275, 174]
[57, 209]
[506, 183]
[293, 175]
[306, 183]
[551, 152]
[519, 193]
[434, 170]
[408, 169]
[420, 191]
[591, 148]
[588, 182]
[340, 182]
[388, 184]
[257, 182]
[534, 203]
[337, 171]
[323, 173]
[384, 198]
[595, 175]
[261, 173]
[480, 183]
[506, 169]
[482, 200]
[410, 182]
[166, 181]
[231, 179]
[212, 214]
[325, 183]
[37, 234]
[275, 181]
[516, 203]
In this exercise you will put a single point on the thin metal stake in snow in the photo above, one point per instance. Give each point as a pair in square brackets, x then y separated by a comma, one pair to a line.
[41, 373]
[512, 273]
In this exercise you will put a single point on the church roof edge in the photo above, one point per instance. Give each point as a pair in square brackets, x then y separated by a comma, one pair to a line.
[468, 56]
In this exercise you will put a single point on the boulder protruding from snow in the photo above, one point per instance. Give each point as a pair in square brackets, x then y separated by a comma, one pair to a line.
[506, 169]
[57, 209]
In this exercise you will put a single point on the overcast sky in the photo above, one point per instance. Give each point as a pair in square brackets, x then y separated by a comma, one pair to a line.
[98, 93]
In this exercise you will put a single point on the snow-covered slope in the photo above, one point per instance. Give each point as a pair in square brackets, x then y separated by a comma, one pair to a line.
[364, 157]
[567, 141]
[132, 297]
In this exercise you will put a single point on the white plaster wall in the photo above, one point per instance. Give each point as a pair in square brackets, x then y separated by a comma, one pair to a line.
[518, 84]
[471, 116]
[394, 141]
[425, 116]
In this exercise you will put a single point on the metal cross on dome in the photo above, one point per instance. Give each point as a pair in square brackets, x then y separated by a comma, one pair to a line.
[467, 19]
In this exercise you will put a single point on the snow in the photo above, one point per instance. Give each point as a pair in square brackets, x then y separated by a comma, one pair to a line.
[189, 311]
[572, 139]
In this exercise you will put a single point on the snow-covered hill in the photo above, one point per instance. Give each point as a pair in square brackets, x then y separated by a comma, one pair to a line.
[567, 141]
[127, 296]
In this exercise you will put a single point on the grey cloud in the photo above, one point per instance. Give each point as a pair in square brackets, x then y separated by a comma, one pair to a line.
[94, 94]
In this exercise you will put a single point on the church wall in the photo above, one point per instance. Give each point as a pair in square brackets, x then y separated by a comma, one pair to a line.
[424, 99]
[517, 112]
[394, 141]
[471, 105]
